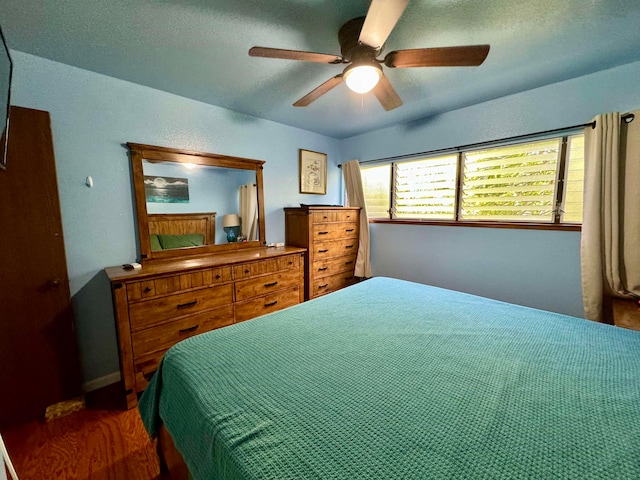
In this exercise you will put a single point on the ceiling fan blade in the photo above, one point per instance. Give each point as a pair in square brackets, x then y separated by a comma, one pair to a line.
[267, 52]
[319, 91]
[381, 18]
[386, 94]
[467, 56]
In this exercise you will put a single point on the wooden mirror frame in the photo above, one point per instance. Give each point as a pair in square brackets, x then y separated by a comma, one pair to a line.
[141, 152]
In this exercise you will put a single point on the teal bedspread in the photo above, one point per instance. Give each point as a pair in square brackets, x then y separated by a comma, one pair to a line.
[394, 380]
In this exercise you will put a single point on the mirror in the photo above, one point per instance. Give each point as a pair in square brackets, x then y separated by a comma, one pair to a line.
[191, 203]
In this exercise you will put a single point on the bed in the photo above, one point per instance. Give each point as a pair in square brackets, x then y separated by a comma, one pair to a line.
[390, 379]
[179, 230]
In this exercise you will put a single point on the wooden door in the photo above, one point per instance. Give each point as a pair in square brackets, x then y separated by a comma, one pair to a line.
[38, 353]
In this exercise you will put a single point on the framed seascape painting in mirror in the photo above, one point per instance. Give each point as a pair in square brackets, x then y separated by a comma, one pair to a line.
[6, 71]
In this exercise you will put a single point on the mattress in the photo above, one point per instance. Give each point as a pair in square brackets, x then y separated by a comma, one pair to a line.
[392, 379]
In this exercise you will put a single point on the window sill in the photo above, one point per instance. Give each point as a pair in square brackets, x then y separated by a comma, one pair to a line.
[447, 223]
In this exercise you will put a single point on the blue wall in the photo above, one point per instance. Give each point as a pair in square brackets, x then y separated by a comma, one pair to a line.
[92, 116]
[540, 269]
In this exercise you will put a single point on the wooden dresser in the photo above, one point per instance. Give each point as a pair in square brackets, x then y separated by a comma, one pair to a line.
[330, 235]
[168, 301]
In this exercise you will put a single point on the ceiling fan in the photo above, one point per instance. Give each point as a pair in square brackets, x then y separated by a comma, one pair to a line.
[361, 41]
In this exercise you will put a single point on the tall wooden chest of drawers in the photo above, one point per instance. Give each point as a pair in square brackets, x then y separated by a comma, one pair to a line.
[330, 235]
[166, 302]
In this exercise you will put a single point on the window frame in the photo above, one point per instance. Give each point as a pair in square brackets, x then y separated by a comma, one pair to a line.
[559, 190]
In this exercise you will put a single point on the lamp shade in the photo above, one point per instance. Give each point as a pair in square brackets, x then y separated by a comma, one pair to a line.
[362, 78]
[231, 220]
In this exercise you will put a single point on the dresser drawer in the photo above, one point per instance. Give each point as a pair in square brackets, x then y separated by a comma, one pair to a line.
[162, 337]
[324, 268]
[266, 284]
[334, 282]
[151, 312]
[324, 216]
[267, 304]
[335, 248]
[332, 231]
[253, 269]
[146, 289]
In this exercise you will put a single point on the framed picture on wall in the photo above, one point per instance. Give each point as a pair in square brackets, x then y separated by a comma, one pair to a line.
[313, 172]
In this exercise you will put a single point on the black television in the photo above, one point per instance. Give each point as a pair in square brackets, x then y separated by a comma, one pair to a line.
[6, 71]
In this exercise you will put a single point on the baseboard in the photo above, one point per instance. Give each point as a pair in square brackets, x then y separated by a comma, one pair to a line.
[101, 382]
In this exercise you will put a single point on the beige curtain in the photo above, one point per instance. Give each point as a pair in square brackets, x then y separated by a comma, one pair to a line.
[610, 253]
[355, 198]
[249, 211]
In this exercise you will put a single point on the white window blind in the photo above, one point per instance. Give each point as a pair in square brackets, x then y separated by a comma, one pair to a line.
[426, 189]
[512, 183]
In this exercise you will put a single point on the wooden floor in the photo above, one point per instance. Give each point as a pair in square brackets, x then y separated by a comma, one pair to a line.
[95, 443]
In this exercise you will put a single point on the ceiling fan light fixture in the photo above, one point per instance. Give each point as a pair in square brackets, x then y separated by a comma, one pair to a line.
[362, 78]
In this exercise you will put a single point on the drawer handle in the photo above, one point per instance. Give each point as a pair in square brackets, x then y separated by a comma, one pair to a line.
[188, 304]
[217, 276]
[290, 262]
[270, 304]
[322, 269]
[323, 286]
[322, 233]
[349, 262]
[349, 230]
[323, 251]
[349, 246]
[147, 289]
[246, 271]
[272, 284]
[187, 330]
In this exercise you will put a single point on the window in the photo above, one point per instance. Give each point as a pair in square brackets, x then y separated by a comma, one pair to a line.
[536, 182]
[376, 182]
[574, 180]
[514, 183]
[426, 189]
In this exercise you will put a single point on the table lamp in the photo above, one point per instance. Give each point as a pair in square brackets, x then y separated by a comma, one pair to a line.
[231, 225]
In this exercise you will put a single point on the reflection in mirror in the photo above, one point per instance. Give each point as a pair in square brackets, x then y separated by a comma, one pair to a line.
[172, 187]
[188, 202]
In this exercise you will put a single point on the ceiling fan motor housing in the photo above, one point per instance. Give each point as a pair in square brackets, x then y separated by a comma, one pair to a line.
[351, 48]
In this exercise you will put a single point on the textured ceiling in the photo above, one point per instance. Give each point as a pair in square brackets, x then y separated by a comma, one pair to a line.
[198, 49]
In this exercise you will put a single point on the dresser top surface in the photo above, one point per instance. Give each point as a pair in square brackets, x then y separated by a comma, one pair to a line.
[310, 208]
[118, 273]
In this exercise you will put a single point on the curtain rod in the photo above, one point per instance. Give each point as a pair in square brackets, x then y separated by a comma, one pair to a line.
[625, 117]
